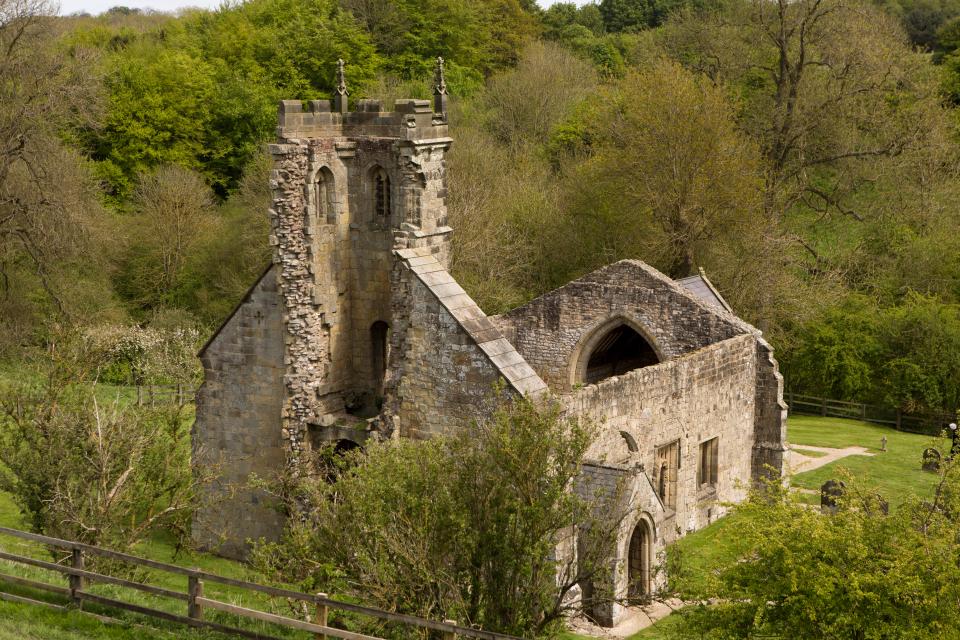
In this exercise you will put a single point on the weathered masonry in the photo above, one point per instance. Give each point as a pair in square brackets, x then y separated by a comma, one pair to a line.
[357, 331]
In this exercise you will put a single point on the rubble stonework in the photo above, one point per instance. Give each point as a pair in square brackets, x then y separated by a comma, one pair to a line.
[359, 331]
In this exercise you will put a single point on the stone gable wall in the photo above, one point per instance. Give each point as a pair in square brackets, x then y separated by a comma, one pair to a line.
[550, 331]
[441, 380]
[238, 426]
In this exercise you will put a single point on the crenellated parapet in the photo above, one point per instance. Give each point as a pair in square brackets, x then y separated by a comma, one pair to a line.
[411, 120]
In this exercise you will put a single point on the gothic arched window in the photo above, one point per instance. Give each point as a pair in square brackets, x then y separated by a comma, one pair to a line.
[614, 352]
[323, 195]
[381, 194]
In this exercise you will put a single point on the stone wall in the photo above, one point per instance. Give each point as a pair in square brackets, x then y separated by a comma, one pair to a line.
[624, 493]
[770, 436]
[237, 431]
[442, 380]
[708, 393]
[705, 394]
[334, 248]
[550, 331]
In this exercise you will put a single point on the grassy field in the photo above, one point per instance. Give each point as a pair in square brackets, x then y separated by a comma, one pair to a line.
[894, 473]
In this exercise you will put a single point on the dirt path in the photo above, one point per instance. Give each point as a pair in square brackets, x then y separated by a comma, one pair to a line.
[637, 619]
[800, 463]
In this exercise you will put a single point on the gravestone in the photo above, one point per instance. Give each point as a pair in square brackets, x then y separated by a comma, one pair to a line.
[829, 493]
[931, 460]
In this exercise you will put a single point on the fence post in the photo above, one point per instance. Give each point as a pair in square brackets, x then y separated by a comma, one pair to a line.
[823, 407]
[194, 591]
[863, 412]
[76, 582]
[139, 396]
[449, 635]
[322, 613]
[179, 395]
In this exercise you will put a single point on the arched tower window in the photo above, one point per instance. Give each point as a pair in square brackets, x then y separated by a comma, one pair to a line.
[619, 350]
[382, 206]
[323, 195]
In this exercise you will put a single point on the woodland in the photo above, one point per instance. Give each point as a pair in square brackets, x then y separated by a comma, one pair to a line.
[804, 154]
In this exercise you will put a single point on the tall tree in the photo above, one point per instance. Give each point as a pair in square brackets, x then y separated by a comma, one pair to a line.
[48, 205]
[826, 86]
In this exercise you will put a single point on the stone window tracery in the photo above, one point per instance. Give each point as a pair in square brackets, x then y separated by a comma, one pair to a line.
[323, 198]
[666, 471]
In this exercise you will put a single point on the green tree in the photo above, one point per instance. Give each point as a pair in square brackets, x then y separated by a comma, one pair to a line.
[88, 469]
[480, 36]
[50, 216]
[174, 215]
[856, 574]
[464, 527]
[635, 15]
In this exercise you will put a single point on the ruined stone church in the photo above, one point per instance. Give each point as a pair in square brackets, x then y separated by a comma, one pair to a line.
[357, 330]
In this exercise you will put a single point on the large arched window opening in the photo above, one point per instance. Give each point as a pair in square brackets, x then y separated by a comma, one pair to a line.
[614, 353]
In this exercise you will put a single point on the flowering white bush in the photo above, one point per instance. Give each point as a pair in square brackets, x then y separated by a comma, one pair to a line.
[141, 355]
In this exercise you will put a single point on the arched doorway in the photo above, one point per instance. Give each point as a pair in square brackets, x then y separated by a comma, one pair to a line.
[614, 352]
[638, 563]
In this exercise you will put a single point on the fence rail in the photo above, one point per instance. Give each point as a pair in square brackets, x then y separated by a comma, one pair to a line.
[153, 394]
[927, 424]
[78, 577]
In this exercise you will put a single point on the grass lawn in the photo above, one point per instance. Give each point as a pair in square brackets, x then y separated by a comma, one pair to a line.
[895, 473]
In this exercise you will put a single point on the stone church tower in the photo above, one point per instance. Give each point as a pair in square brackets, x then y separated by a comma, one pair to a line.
[350, 188]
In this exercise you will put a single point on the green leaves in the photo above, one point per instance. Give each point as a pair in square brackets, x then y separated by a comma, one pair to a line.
[855, 574]
[464, 528]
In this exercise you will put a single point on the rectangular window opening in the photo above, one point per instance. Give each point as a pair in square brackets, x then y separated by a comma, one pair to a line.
[665, 473]
[708, 469]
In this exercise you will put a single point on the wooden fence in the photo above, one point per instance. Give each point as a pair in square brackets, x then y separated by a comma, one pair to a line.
[928, 424]
[153, 394]
[196, 602]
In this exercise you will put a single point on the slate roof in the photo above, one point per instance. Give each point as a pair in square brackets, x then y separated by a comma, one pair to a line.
[703, 289]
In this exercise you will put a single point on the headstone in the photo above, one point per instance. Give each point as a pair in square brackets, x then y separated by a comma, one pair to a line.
[931, 460]
[829, 493]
